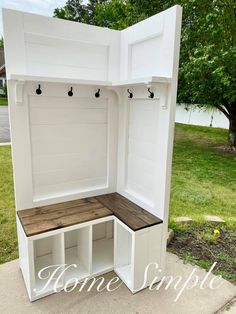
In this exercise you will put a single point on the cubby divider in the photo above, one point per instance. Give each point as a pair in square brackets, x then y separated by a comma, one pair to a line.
[103, 247]
[123, 253]
[77, 253]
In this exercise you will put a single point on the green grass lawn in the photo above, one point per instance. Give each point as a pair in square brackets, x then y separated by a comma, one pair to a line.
[3, 101]
[203, 182]
[8, 239]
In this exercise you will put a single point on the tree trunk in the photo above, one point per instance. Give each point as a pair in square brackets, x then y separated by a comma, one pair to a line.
[232, 131]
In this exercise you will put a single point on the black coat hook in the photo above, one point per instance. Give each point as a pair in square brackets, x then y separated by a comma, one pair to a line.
[38, 90]
[97, 94]
[70, 93]
[130, 94]
[151, 93]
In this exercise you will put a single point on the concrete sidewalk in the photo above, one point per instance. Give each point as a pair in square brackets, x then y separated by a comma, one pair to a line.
[4, 125]
[13, 297]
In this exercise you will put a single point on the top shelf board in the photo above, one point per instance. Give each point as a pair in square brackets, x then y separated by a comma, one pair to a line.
[49, 79]
[131, 82]
[143, 81]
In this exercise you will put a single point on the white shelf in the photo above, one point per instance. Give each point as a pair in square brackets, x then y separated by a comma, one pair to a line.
[125, 274]
[40, 263]
[49, 79]
[102, 255]
[130, 82]
[79, 272]
[142, 81]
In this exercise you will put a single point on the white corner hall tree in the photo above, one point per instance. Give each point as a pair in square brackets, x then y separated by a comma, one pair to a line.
[92, 122]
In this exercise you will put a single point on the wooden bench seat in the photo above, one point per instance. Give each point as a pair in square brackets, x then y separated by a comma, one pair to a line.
[51, 217]
[128, 212]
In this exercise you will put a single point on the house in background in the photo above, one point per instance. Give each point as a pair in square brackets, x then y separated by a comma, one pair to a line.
[2, 71]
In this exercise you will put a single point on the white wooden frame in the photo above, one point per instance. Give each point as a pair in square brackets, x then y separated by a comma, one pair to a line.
[135, 135]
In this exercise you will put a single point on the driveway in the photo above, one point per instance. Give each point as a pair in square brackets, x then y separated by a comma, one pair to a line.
[4, 125]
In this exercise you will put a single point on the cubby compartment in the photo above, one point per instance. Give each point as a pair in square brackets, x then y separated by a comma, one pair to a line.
[123, 253]
[48, 251]
[103, 247]
[77, 253]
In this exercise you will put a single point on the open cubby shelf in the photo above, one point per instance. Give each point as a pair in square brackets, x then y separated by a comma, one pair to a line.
[47, 252]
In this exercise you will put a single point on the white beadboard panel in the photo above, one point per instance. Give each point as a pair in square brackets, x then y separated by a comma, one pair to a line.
[59, 28]
[145, 166]
[68, 139]
[84, 172]
[140, 66]
[85, 116]
[141, 112]
[69, 188]
[69, 144]
[89, 60]
[52, 111]
[142, 133]
[142, 150]
[63, 71]
[53, 163]
[54, 101]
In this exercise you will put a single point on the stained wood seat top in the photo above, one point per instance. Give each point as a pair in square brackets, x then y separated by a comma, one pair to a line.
[51, 217]
[128, 212]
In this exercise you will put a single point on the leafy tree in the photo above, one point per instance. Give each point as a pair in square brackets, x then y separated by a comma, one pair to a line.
[76, 10]
[1, 43]
[5, 89]
[208, 50]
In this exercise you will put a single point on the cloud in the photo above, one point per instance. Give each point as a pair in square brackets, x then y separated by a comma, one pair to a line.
[42, 7]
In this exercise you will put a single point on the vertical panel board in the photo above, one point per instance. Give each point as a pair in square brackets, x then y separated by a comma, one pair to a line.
[75, 57]
[141, 150]
[23, 247]
[140, 259]
[69, 138]
[13, 26]
[86, 51]
[153, 38]
[140, 66]
[143, 36]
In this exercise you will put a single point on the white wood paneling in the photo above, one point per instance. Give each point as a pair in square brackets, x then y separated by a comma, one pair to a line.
[54, 47]
[66, 147]
[90, 60]
[62, 159]
[141, 164]
[140, 66]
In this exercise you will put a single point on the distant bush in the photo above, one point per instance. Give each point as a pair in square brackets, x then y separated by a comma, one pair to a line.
[4, 88]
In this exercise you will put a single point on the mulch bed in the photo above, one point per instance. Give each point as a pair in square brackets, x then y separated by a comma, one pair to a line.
[197, 243]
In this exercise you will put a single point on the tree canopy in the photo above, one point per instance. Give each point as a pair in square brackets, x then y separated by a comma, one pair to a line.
[1, 43]
[208, 50]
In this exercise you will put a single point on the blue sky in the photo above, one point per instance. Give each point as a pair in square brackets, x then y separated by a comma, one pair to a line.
[42, 7]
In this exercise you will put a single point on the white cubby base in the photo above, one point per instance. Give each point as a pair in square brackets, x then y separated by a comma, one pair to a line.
[134, 251]
[96, 247]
